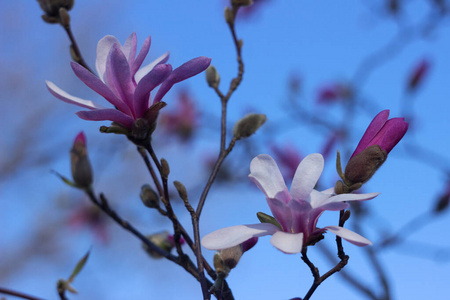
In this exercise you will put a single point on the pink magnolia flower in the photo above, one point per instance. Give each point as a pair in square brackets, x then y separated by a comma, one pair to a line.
[123, 84]
[382, 132]
[297, 210]
[333, 92]
[184, 119]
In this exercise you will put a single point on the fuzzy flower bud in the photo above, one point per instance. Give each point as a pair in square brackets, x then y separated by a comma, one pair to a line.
[163, 240]
[212, 77]
[248, 125]
[52, 8]
[149, 197]
[80, 164]
[379, 139]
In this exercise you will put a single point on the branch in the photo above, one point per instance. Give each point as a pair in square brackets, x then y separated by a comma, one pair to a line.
[18, 294]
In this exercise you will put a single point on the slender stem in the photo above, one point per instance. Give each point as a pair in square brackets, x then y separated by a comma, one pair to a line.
[18, 294]
[352, 280]
[76, 50]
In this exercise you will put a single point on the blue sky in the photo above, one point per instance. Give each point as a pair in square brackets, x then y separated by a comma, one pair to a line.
[322, 42]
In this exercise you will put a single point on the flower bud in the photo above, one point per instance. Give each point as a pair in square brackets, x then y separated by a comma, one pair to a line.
[52, 8]
[161, 239]
[361, 167]
[212, 77]
[248, 125]
[80, 164]
[149, 197]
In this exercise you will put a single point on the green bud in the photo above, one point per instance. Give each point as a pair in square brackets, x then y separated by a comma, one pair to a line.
[64, 17]
[181, 190]
[363, 165]
[231, 257]
[51, 8]
[212, 77]
[149, 197]
[80, 164]
[248, 125]
[162, 240]
[265, 218]
[165, 169]
[229, 15]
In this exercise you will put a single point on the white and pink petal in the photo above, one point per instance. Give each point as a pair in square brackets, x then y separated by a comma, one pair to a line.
[349, 236]
[290, 243]
[66, 97]
[232, 236]
[265, 173]
[306, 176]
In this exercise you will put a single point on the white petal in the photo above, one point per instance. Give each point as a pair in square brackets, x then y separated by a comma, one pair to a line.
[349, 235]
[66, 97]
[306, 176]
[329, 191]
[267, 176]
[144, 70]
[231, 236]
[353, 197]
[103, 48]
[289, 243]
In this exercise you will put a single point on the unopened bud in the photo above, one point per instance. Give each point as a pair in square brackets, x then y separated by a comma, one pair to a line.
[149, 197]
[231, 256]
[363, 165]
[265, 218]
[229, 15]
[64, 17]
[212, 77]
[248, 125]
[80, 164]
[51, 8]
[181, 190]
[165, 169]
[162, 240]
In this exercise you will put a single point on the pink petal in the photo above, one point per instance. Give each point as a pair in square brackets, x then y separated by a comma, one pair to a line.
[392, 132]
[141, 56]
[107, 114]
[306, 176]
[142, 93]
[281, 211]
[183, 72]
[103, 49]
[232, 236]
[145, 70]
[129, 48]
[290, 243]
[349, 235]
[118, 76]
[99, 87]
[62, 95]
[265, 173]
[372, 130]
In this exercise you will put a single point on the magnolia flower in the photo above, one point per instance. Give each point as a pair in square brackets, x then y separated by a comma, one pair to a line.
[123, 84]
[297, 211]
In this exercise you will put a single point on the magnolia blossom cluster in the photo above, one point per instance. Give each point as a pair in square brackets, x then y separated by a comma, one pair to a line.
[297, 211]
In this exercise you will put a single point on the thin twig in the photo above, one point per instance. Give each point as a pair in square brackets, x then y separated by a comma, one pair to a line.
[18, 294]
[76, 50]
